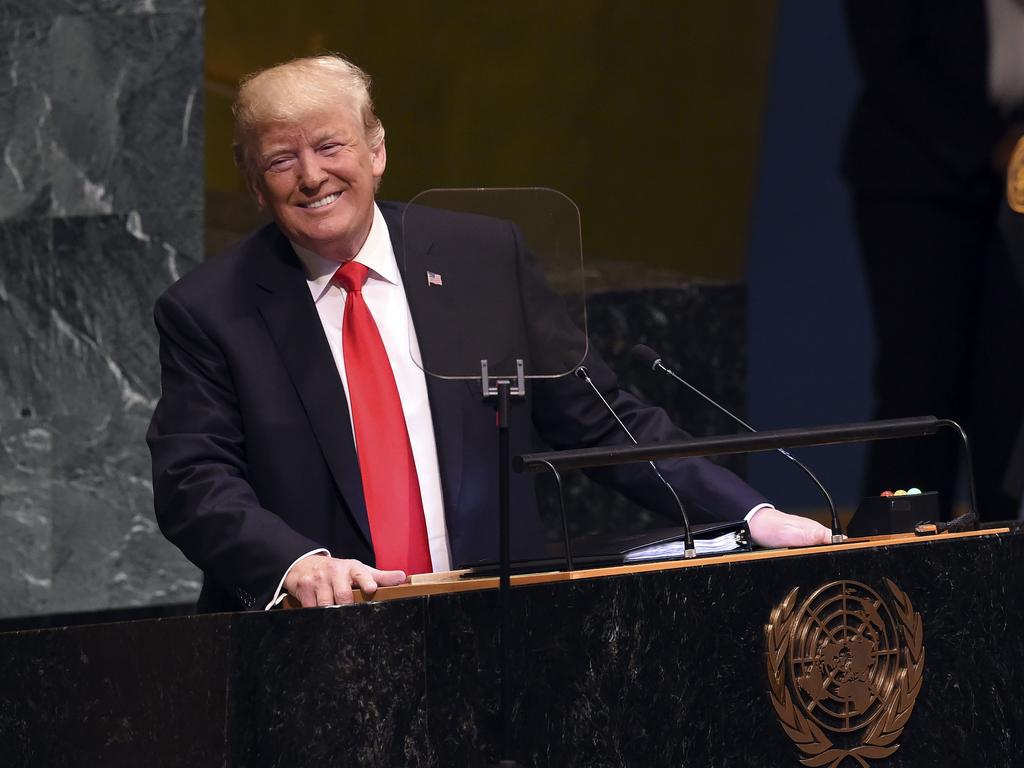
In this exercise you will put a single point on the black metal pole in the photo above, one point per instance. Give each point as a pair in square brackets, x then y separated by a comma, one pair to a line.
[504, 582]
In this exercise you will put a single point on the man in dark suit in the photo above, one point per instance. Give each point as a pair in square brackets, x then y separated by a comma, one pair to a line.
[298, 446]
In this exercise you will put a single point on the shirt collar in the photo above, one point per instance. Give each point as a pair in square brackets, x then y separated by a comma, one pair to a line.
[376, 254]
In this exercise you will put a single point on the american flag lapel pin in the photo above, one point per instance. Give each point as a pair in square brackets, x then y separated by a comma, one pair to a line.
[434, 278]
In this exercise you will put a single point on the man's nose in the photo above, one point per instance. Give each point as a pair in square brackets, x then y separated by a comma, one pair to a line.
[311, 173]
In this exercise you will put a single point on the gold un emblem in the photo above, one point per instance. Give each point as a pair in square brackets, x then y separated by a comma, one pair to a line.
[844, 670]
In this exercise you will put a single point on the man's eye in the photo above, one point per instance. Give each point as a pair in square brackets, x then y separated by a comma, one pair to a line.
[280, 163]
[329, 149]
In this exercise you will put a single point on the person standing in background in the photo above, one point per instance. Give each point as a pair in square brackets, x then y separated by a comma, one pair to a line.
[927, 147]
[1011, 222]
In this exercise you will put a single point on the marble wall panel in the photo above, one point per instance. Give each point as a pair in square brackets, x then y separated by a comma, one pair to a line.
[80, 384]
[25, 107]
[132, 79]
[124, 7]
[26, 439]
[26, 248]
[103, 113]
[100, 210]
[26, 522]
[109, 271]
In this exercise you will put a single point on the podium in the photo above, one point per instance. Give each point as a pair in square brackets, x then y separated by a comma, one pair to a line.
[663, 664]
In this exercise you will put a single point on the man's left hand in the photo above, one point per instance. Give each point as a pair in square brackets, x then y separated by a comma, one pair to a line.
[771, 528]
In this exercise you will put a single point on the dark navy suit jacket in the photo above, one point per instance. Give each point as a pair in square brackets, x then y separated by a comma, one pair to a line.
[253, 458]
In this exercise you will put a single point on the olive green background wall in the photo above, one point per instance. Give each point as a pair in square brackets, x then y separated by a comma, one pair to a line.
[647, 116]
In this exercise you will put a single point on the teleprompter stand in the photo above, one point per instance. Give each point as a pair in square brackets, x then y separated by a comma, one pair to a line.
[499, 274]
[501, 391]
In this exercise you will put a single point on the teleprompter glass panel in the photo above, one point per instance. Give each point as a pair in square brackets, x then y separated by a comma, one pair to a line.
[495, 275]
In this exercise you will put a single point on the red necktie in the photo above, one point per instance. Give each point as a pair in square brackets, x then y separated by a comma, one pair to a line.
[390, 484]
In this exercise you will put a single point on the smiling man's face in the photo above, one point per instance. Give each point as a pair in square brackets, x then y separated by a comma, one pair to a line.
[318, 177]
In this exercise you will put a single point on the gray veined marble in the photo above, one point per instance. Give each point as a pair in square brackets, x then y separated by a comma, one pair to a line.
[100, 210]
[79, 385]
[124, 7]
[103, 114]
[20, 10]
[25, 111]
[132, 78]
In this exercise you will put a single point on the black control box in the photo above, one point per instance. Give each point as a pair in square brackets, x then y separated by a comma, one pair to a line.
[893, 514]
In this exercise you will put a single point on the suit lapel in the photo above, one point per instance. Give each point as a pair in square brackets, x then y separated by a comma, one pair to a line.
[433, 323]
[287, 308]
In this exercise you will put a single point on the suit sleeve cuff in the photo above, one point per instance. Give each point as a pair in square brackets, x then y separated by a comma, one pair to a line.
[280, 593]
[755, 510]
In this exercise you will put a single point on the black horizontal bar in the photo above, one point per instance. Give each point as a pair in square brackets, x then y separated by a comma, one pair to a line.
[727, 444]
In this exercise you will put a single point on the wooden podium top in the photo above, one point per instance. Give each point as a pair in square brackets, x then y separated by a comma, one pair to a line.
[454, 581]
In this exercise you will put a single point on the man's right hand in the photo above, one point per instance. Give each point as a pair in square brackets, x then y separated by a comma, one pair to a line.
[321, 580]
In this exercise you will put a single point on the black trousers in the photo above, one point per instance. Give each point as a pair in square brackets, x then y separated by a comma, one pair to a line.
[949, 328]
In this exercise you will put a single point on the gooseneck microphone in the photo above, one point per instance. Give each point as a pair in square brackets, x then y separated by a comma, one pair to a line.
[647, 358]
[690, 550]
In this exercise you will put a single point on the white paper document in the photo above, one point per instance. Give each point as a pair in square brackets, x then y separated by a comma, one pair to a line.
[727, 542]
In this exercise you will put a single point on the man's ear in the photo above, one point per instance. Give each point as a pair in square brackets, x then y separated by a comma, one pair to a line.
[248, 174]
[378, 159]
[256, 190]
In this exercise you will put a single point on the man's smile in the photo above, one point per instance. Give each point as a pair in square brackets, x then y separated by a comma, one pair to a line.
[322, 202]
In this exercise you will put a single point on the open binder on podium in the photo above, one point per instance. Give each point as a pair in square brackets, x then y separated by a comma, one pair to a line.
[667, 543]
[611, 549]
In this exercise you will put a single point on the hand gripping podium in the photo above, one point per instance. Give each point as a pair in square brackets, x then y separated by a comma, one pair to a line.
[894, 651]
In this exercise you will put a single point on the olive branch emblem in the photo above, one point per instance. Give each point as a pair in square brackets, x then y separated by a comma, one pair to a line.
[882, 730]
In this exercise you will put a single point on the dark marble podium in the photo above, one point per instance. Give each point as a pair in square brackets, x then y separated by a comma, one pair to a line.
[657, 668]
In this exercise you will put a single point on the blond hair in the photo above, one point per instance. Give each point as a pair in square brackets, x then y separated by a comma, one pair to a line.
[288, 92]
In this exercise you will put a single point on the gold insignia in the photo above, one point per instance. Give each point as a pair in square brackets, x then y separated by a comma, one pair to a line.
[844, 671]
[1015, 178]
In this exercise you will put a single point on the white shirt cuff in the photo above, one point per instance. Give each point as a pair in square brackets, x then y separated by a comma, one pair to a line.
[755, 510]
[280, 593]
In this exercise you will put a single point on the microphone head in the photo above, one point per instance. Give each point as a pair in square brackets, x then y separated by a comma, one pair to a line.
[645, 357]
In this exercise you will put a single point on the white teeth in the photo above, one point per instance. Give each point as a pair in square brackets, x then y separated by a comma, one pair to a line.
[323, 201]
